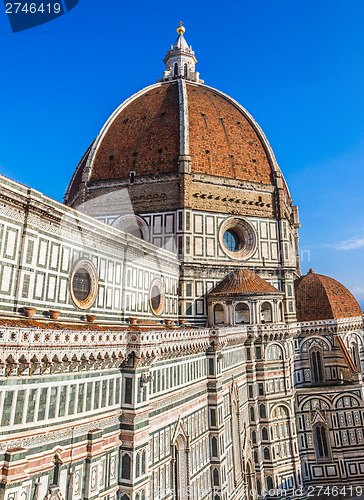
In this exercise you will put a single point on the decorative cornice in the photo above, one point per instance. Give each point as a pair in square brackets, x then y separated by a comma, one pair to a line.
[58, 435]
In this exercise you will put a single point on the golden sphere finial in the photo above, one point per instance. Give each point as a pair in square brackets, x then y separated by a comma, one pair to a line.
[180, 29]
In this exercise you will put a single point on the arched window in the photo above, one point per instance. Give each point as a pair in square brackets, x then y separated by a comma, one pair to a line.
[264, 434]
[125, 497]
[143, 462]
[254, 437]
[215, 477]
[181, 469]
[256, 457]
[252, 416]
[355, 355]
[132, 224]
[185, 70]
[269, 483]
[242, 313]
[321, 441]
[125, 466]
[317, 366]
[137, 465]
[57, 469]
[274, 352]
[262, 411]
[214, 446]
[175, 69]
[266, 454]
[266, 313]
[219, 316]
[250, 481]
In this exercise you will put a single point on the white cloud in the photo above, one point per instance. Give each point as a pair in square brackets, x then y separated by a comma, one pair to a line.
[351, 244]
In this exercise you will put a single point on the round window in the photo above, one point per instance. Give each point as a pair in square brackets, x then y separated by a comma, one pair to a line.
[134, 225]
[81, 284]
[84, 284]
[237, 238]
[157, 297]
[233, 240]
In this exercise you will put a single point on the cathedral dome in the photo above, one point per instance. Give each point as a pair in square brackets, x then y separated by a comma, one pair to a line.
[175, 122]
[149, 132]
[319, 297]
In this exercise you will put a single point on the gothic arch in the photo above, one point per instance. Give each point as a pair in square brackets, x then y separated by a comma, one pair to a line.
[309, 343]
[317, 364]
[348, 395]
[348, 335]
[354, 344]
[321, 436]
[181, 468]
[284, 405]
[270, 347]
[181, 462]
[326, 401]
[250, 480]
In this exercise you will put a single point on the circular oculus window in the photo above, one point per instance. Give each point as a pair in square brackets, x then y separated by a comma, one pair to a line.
[132, 224]
[237, 238]
[157, 297]
[84, 284]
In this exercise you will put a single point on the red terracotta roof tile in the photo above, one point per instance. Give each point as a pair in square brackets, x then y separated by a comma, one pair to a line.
[243, 282]
[144, 137]
[217, 126]
[319, 297]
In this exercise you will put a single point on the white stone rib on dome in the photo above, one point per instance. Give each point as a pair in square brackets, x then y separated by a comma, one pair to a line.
[105, 128]
[183, 124]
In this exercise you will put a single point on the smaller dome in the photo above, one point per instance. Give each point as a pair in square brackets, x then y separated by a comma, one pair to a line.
[319, 297]
[243, 282]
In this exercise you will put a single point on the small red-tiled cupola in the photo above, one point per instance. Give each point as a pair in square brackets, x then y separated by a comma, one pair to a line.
[319, 297]
[243, 282]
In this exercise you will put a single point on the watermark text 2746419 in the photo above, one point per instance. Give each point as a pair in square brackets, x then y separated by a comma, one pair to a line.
[24, 15]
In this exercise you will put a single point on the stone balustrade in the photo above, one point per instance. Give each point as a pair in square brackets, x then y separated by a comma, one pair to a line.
[110, 347]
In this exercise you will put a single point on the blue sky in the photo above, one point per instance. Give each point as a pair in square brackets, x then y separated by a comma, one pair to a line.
[296, 66]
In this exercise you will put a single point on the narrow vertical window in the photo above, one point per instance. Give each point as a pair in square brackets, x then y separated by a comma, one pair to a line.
[321, 441]
[219, 315]
[125, 467]
[128, 390]
[354, 350]
[143, 462]
[317, 366]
